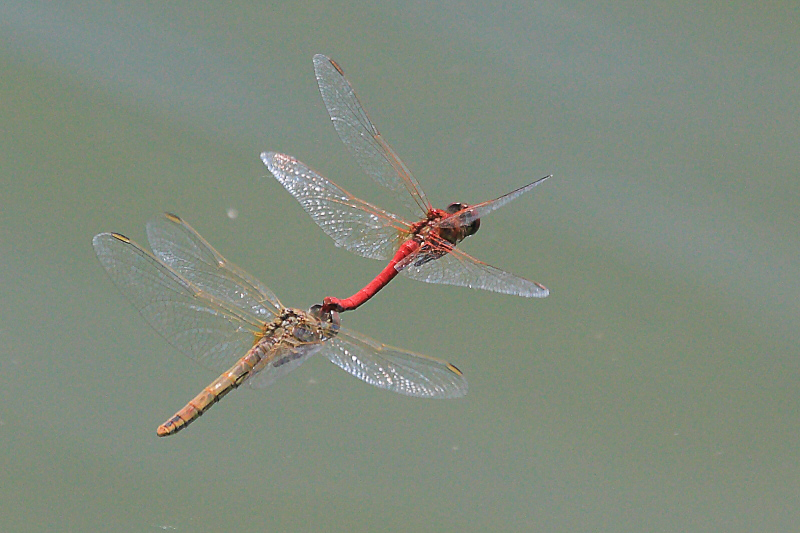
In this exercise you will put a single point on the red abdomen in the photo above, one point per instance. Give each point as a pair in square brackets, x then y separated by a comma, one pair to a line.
[381, 280]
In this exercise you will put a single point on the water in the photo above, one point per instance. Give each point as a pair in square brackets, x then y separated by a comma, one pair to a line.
[654, 390]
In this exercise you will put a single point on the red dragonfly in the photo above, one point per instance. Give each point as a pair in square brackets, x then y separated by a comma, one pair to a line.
[424, 250]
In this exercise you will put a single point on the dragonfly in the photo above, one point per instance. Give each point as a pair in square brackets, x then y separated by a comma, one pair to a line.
[424, 250]
[229, 322]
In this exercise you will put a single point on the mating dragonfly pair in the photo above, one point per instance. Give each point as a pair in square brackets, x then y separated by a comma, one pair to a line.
[214, 312]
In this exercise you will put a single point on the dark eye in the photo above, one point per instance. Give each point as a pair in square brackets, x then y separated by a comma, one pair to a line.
[473, 227]
[455, 207]
[469, 229]
[331, 318]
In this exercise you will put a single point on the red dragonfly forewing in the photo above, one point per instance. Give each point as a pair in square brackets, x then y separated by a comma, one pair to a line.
[352, 223]
[474, 212]
[362, 138]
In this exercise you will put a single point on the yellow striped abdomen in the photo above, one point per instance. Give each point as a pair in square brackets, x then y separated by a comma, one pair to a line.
[214, 392]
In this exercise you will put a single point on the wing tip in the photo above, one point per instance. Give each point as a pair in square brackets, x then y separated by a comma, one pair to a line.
[454, 369]
[97, 239]
[267, 157]
[543, 291]
[173, 218]
[119, 237]
[100, 237]
[459, 391]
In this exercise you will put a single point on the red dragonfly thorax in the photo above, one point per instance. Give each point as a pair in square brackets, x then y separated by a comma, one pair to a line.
[454, 232]
[428, 241]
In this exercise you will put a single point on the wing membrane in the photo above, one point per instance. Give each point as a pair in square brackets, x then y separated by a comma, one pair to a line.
[352, 223]
[203, 328]
[470, 214]
[270, 374]
[394, 369]
[362, 138]
[217, 333]
[179, 246]
[461, 269]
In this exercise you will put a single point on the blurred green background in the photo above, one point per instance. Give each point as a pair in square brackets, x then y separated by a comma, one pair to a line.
[656, 389]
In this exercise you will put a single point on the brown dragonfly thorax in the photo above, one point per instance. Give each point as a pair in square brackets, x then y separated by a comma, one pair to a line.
[296, 327]
[292, 329]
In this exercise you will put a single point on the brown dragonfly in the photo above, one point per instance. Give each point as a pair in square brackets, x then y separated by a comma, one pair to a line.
[424, 250]
[228, 321]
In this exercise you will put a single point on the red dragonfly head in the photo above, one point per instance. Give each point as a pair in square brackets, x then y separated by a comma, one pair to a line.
[460, 228]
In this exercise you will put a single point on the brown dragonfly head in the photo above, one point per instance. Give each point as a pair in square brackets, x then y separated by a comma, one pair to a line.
[329, 319]
[461, 231]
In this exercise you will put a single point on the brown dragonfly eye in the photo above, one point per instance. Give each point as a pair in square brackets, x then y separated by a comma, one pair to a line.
[331, 319]
[304, 333]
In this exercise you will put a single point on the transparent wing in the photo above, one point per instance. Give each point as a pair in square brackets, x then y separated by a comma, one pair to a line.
[352, 223]
[271, 373]
[394, 369]
[361, 137]
[470, 214]
[450, 266]
[203, 328]
[180, 247]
